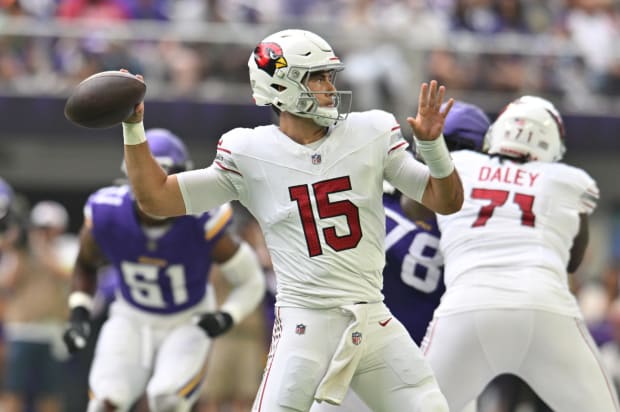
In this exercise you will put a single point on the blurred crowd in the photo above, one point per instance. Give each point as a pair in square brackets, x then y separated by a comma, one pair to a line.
[564, 48]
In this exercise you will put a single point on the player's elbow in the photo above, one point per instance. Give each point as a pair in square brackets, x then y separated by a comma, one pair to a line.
[147, 205]
[160, 200]
[152, 206]
[449, 206]
[454, 204]
[444, 201]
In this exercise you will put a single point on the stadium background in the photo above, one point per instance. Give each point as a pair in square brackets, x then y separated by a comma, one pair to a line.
[193, 54]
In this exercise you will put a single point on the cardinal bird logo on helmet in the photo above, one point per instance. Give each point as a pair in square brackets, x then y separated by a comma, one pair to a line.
[268, 57]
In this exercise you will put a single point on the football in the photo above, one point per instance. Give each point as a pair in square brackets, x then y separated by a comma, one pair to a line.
[104, 99]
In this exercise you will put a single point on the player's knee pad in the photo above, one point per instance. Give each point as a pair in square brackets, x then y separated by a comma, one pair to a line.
[411, 370]
[169, 403]
[432, 400]
[299, 382]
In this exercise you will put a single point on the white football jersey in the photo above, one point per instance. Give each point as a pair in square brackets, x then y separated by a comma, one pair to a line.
[319, 206]
[509, 245]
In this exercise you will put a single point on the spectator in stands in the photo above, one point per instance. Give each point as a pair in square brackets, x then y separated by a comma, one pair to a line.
[99, 10]
[36, 312]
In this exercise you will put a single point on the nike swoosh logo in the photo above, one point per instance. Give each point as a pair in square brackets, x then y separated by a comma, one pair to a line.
[384, 323]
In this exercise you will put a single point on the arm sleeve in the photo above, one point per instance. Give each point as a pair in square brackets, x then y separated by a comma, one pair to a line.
[406, 174]
[204, 189]
[244, 273]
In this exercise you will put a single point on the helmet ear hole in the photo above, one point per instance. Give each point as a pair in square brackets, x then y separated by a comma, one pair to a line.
[278, 87]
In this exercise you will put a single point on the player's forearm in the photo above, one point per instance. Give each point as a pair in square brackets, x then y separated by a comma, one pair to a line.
[149, 182]
[444, 191]
[444, 196]
[84, 278]
[243, 271]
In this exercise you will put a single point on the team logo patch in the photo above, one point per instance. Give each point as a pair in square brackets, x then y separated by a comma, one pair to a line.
[316, 159]
[269, 57]
[356, 338]
[300, 329]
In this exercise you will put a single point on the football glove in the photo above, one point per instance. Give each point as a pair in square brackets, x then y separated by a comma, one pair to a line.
[215, 323]
[78, 331]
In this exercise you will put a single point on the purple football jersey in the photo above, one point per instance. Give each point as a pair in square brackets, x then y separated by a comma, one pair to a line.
[413, 274]
[165, 274]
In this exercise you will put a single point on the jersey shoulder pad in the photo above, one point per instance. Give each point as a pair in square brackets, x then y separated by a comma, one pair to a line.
[109, 195]
[376, 120]
[239, 139]
[101, 204]
[581, 182]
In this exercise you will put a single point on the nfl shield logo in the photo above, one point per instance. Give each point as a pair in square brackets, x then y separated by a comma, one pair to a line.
[300, 329]
[316, 159]
[356, 338]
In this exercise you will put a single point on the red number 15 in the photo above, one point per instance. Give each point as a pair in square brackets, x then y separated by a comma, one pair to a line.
[327, 209]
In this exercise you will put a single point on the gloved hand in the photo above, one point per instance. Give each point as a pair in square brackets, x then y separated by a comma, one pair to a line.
[215, 323]
[78, 331]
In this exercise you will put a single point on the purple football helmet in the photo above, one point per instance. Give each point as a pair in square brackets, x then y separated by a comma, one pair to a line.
[6, 204]
[6, 198]
[169, 151]
[465, 127]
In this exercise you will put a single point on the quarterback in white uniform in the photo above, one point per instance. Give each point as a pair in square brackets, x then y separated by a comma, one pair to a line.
[315, 183]
[507, 308]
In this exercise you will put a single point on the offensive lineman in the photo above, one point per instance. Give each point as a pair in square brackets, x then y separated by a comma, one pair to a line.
[507, 253]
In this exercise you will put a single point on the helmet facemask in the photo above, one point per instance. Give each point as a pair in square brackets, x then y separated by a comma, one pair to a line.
[308, 104]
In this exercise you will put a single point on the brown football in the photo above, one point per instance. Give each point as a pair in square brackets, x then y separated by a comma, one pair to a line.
[104, 99]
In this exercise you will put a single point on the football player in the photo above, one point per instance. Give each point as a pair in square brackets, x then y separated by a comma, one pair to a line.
[507, 308]
[314, 183]
[160, 327]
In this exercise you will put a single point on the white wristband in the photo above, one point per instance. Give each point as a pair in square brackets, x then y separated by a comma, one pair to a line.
[436, 156]
[133, 133]
[83, 299]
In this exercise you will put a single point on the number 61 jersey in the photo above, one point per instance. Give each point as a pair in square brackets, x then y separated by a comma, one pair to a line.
[161, 273]
[510, 243]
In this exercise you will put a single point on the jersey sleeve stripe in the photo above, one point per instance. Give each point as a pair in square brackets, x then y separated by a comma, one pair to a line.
[592, 193]
[221, 149]
[401, 144]
[397, 127]
[221, 166]
[214, 228]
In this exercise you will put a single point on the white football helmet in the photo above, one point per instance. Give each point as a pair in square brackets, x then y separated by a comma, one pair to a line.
[530, 128]
[279, 68]
[528, 99]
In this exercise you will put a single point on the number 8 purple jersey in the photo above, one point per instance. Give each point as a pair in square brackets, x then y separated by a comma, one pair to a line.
[413, 275]
[161, 273]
